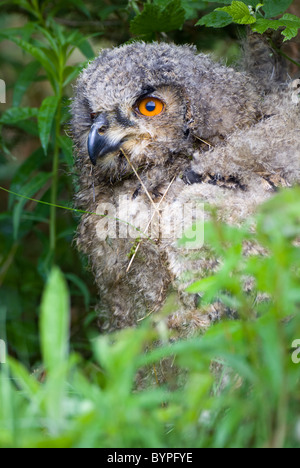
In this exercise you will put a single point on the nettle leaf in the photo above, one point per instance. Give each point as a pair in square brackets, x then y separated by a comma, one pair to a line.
[215, 19]
[157, 18]
[45, 119]
[290, 23]
[239, 12]
[275, 7]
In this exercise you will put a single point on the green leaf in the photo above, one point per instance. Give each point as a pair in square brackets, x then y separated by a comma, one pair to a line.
[82, 288]
[26, 78]
[32, 163]
[191, 8]
[28, 126]
[239, 12]
[25, 32]
[215, 19]
[54, 45]
[290, 23]
[25, 381]
[203, 285]
[17, 114]
[156, 18]
[86, 48]
[45, 119]
[226, 2]
[66, 145]
[268, 333]
[21, 3]
[72, 4]
[54, 321]
[54, 334]
[105, 11]
[70, 74]
[284, 226]
[275, 7]
[82, 7]
[36, 52]
[28, 190]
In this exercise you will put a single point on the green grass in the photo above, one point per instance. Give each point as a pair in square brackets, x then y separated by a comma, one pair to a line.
[237, 385]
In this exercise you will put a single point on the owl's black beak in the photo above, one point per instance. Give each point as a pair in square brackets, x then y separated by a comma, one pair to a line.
[99, 143]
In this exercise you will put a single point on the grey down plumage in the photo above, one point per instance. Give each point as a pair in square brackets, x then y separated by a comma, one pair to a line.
[222, 139]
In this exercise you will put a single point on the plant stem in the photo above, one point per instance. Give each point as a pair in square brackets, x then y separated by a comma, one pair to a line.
[284, 55]
[54, 186]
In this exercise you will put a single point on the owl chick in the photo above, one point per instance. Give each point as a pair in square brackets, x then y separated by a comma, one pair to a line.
[159, 131]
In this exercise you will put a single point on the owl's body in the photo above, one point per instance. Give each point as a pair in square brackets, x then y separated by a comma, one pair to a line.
[160, 131]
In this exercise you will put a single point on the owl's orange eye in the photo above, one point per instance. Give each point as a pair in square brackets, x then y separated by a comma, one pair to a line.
[150, 106]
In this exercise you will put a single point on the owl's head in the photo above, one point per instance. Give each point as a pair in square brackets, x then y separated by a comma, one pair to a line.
[152, 100]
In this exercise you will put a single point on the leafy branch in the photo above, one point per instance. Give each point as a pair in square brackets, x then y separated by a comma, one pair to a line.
[51, 46]
[259, 16]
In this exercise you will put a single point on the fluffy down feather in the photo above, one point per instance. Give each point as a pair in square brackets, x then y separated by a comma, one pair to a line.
[223, 139]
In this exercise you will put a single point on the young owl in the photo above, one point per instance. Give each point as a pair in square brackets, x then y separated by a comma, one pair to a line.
[159, 131]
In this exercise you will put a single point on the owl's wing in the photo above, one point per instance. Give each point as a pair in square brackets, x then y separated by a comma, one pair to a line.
[267, 152]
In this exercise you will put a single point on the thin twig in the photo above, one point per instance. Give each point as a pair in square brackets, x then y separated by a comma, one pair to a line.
[203, 141]
[147, 227]
[146, 316]
[155, 374]
[142, 183]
